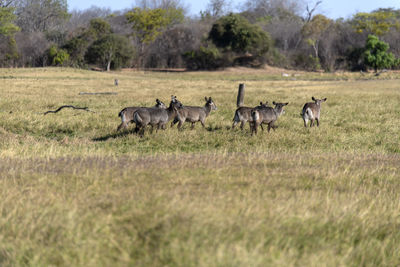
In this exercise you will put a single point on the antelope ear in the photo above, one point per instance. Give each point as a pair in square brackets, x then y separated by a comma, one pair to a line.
[261, 103]
[158, 100]
[313, 98]
[287, 103]
[325, 99]
[205, 98]
[210, 98]
[273, 102]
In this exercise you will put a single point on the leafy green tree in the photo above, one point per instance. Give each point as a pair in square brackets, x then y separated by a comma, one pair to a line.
[234, 32]
[148, 24]
[313, 32]
[77, 46]
[7, 17]
[98, 27]
[57, 57]
[376, 54]
[111, 50]
[7, 32]
[377, 23]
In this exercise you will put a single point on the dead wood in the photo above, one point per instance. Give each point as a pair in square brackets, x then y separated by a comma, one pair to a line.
[68, 106]
[98, 93]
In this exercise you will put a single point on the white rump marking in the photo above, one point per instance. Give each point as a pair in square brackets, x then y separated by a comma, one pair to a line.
[309, 114]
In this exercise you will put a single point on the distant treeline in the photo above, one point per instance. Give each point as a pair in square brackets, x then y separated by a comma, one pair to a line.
[161, 34]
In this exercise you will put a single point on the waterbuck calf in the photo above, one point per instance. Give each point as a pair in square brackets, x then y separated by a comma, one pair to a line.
[126, 114]
[267, 115]
[156, 116]
[194, 114]
[243, 115]
[311, 111]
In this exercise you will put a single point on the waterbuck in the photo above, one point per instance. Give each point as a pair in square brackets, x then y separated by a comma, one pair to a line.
[126, 114]
[156, 116]
[194, 114]
[311, 111]
[267, 115]
[243, 115]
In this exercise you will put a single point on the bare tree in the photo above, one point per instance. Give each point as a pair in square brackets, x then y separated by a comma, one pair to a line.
[7, 3]
[262, 8]
[285, 29]
[81, 18]
[31, 49]
[168, 49]
[41, 15]
[218, 8]
[310, 11]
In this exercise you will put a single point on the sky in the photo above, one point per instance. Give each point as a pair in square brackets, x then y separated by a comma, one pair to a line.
[331, 8]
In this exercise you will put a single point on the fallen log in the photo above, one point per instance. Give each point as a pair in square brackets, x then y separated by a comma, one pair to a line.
[98, 93]
[68, 106]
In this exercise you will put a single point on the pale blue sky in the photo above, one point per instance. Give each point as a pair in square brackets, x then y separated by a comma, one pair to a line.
[330, 8]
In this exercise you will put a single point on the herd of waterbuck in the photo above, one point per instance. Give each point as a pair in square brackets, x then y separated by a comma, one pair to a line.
[159, 115]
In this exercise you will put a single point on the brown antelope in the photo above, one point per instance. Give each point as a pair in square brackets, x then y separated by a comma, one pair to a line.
[156, 116]
[126, 114]
[243, 115]
[311, 111]
[267, 115]
[194, 114]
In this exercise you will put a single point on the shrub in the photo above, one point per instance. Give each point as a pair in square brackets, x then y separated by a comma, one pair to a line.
[206, 58]
[57, 57]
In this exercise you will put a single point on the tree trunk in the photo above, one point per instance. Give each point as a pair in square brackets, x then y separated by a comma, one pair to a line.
[109, 61]
[108, 65]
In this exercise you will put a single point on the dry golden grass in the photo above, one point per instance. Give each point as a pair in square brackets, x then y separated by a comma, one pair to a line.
[76, 193]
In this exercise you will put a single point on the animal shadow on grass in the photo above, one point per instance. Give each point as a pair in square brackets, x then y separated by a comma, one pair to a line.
[112, 135]
[213, 129]
[124, 133]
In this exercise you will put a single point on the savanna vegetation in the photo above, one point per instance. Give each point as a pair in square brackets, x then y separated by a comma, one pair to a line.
[163, 34]
[74, 192]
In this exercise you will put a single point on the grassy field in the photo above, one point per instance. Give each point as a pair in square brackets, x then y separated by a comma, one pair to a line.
[74, 192]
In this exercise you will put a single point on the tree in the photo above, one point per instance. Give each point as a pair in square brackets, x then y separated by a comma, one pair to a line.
[206, 58]
[376, 23]
[78, 45]
[41, 15]
[57, 56]
[216, 8]
[82, 18]
[269, 8]
[163, 4]
[147, 24]
[7, 31]
[32, 49]
[7, 17]
[310, 12]
[168, 49]
[235, 33]
[376, 54]
[285, 29]
[313, 31]
[110, 51]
